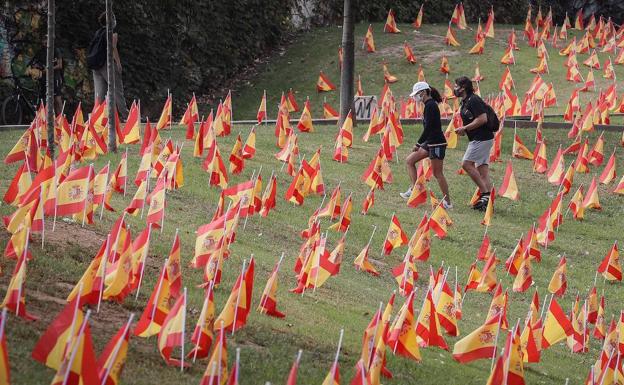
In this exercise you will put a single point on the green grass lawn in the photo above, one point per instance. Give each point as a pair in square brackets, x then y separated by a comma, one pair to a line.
[298, 66]
[347, 301]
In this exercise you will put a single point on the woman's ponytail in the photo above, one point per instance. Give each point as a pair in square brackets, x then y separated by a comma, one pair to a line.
[435, 95]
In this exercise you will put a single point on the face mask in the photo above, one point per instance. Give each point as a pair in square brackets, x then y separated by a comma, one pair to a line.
[418, 98]
[114, 22]
[456, 92]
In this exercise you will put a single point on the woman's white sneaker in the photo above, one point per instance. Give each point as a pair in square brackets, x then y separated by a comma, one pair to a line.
[406, 195]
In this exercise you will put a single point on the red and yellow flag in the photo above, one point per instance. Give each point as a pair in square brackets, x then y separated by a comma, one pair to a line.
[237, 307]
[395, 237]
[165, 116]
[480, 343]
[171, 333]
[113, 357]
[390, 26]
[268, 300]
[217, 371]
[323, 84]
[369, 40]
[401, 337]
[203, 333]
[557, 325]
[610, 267]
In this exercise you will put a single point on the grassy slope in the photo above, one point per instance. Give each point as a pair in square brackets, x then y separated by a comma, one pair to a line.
[298, 67]
[348, 300]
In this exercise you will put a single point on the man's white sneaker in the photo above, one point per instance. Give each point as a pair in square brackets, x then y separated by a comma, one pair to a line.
[447, 205]
[406, 195]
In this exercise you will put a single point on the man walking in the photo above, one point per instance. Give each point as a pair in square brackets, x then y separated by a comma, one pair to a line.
[480, 139]
[96, 61]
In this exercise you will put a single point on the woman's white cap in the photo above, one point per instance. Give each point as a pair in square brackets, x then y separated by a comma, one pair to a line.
[420, 86]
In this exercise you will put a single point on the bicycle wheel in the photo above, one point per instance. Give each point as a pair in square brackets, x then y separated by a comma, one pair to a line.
[11, 111]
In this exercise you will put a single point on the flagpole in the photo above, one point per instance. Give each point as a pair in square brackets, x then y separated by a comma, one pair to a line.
[183, 332]
[106, 186]
[237, 365]
[86, 201]
[335, 365]
[3, 323]
[155, 302]
[103, 267]
[73, 322]
[116, 350]
[75, 350]
[42, 216]
[126, 180]
[149, 170]
[240, 286]
[144, 258]
[221, 337]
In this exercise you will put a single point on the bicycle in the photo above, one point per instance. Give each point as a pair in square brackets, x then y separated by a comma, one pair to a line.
[20, 105]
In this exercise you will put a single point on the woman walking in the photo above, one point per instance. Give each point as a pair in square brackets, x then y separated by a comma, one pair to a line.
[431, 143]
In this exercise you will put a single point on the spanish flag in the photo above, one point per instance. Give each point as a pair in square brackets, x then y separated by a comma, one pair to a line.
[540, 163]
[524, 278]
[487, 280]
[409, 54]
[268, 300]
[480, 343]
[499, 305]
[418, 21]
[439, 221]
[557, 169]
[519, 150]
[369, 41]
[559, 283]
[237, 162]
[509, 187]
[305, 121]
[428, 324]
[362, 263]
[216, 371]
[489, 211]
[171, 333]
[390, 26]
[557, 326]
[608, 174]
[131, 131]
[51, 346]
[72, 193]
[165, 116]
[157, 308]
[610, 268]
[215, 167]
[157, 204]
[323, 84]
[478, 48]
[450, 38]
[591, 200]
[90, 287]
[237, 307]
[19, 185]
[113, 358]
[15, 298]
[401, 337]
[576, 204]
[395, 237]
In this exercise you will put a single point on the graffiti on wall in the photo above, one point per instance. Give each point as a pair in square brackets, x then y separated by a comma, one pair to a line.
[23, 31]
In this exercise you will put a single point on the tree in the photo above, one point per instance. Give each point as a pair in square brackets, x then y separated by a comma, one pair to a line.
[348, 63]
[50, 78]
[110, 94]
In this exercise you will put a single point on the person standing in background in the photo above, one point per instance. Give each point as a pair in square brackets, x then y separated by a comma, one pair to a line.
[96, 61]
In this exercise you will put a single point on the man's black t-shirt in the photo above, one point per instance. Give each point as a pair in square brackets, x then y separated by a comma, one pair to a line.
[471, 107]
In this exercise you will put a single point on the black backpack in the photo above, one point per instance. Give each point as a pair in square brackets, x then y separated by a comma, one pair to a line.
[96, 53]
[493, 124]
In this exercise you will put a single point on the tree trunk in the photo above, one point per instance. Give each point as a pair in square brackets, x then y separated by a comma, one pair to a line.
[348, 64]
[110, 70]
[50, 78]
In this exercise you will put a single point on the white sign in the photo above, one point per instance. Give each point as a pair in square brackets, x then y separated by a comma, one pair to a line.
[364, 106]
